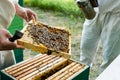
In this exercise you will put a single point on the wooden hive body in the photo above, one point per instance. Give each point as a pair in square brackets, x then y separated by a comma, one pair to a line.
[44, 67]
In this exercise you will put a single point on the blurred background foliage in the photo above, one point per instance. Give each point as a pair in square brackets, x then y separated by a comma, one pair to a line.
[67, 7]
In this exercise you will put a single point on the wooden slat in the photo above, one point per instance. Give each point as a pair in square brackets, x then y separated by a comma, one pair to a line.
[15, 67]
[61, 71]
[25, 66]
[37, 69]
[66, 72]
[62, 54]
[32, 66]
[49, 70]
[72, 72]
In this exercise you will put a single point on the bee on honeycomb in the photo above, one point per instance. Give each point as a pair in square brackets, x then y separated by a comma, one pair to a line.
[55, 39]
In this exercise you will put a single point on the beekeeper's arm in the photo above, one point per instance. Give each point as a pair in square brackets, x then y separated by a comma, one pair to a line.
[25, 13]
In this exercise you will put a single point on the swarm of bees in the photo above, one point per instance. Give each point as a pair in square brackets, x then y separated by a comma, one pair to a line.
[52, 38]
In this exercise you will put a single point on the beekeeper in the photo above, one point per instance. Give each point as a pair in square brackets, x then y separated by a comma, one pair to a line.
[105, 26]
[8, 9]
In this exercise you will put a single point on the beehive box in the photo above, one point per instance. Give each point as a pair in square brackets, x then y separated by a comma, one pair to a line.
[44, 67]
[46, 39]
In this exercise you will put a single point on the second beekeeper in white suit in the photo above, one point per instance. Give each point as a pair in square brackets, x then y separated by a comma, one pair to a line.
[105, 26]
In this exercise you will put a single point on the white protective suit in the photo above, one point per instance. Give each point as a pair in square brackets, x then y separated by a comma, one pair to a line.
[7, 12]
[105, 27]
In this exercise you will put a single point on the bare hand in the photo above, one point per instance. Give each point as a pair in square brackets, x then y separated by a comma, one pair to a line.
[25, 13]
[5, 44]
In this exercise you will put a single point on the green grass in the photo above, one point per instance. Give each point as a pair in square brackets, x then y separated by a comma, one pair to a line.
[68, 7]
